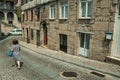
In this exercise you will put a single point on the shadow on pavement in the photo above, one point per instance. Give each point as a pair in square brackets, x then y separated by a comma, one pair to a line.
[3, 37]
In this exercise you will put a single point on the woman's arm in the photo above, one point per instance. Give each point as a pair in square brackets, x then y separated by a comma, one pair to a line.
[12, 48]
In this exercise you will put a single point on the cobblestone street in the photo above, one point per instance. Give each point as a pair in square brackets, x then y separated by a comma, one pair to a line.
[59, 39]
[41, 66]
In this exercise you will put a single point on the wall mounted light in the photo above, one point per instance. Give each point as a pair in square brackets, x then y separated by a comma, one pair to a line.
[109, 35]
[22, 12]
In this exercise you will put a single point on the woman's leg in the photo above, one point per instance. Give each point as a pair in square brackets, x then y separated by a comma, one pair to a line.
[18, 63]
[15, 64]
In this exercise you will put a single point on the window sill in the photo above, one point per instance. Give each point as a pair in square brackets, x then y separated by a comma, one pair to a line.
[63, 18]
[85, 18]
[37, 20]
[51, 18]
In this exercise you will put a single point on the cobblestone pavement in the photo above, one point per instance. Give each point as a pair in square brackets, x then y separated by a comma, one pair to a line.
[45, 64]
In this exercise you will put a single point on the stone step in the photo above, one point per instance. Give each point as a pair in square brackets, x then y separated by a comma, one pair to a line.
[113, 60]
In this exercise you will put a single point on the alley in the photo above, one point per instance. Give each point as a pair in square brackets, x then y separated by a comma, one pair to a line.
[41, 67]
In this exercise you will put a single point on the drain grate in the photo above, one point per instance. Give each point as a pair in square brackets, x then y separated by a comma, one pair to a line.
[69, 74]
[97, 74]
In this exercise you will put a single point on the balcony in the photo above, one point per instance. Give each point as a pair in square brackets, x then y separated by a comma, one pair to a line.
[10, 19]
[1, 7]
[7, 5]
[42, 1]
[29, 5]
[34, 3]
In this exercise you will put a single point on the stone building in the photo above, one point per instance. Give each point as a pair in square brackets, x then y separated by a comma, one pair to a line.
[8, 17]
[88, 28]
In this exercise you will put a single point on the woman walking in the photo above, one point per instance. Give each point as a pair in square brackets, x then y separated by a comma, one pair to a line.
[16, 53]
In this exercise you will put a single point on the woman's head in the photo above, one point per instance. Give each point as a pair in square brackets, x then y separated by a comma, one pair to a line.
[15, 41]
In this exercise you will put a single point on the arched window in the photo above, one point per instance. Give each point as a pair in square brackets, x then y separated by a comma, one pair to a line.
[1, 15]
[10, 16]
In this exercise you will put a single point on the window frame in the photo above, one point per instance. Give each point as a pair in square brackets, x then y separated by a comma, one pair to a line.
[26, 15]
[2, 15]
[32, 34]
[87, 2]
[38, 16]
[63, 42]
[31, 15]
[65, 14]
[52, 11]
[119, 8]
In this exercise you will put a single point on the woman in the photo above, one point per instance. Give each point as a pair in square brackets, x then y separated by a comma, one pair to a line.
[16, 53]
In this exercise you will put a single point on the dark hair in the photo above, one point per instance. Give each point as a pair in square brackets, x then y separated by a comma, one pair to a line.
[15, 41]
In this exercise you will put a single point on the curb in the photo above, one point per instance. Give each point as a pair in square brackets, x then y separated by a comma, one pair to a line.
[78, 65]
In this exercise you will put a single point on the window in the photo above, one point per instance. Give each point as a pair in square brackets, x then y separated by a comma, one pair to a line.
[119, 8]
[63, 42]
[85, 39]
[31, 34]
[64, 10]
[52, 11]
[18, 30]
[26, 15]
[23, 17]
[86, 9]
[10, 22]
[31, 15]
[10, 16]
[38, 15]
[2, 16]
[1, 5]
[9, 5]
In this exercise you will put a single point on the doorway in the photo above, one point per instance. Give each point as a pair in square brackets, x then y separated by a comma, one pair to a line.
[38, 38]
[63, 42]
[28, 40]
[45, 37]
[84, 44]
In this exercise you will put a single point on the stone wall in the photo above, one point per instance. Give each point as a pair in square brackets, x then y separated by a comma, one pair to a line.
[102, 21]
